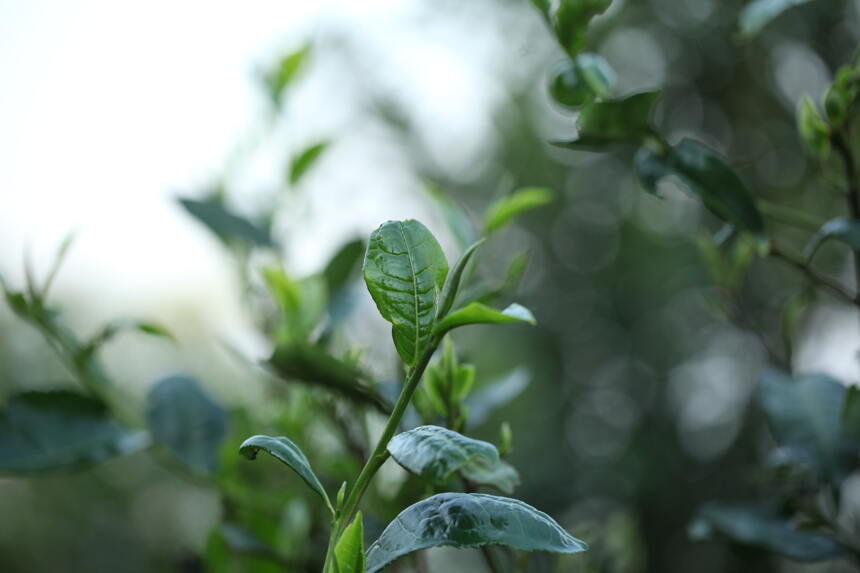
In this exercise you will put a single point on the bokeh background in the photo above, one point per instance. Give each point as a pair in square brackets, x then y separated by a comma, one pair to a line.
[640, 402]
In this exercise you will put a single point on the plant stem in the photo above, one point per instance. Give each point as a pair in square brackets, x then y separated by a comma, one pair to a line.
[840, 141]
[380, 452]
[819, 280]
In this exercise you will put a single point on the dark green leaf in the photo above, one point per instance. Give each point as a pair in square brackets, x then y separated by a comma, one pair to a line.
[342, 266]
[314, 365]
[804, 414]
[469, 520]
[184, 418]
[60, 430]
[842, 229]
[580, 81]
[279, 78]
[434, 453]
[226, 225]
[707, 175]
[761, 527]
[290, 454]
[498, 474]
[626, 118]
[759, 13]
[506, 209]
[570, 22]
[405, 271]
[477, 313]
[305, 160]
[349, 550]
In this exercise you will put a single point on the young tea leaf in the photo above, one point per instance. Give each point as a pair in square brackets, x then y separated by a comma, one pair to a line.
[291, 455]
[469, 520]
[186, 420]
[405, 272]
[305, 160]
[60, 430]
[279, 78]
[582, 80]
[505, 210]
[434, 453]
[477, 313]
[349, 550]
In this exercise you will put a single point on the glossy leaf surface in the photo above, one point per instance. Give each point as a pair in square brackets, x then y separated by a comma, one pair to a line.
[469, 520]
[477, 313]
[434, 453]
[405, 272]
[349, 550]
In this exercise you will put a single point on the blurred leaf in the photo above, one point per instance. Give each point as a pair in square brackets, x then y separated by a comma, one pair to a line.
[759, 13]
[343, 265]
[434, 453]
[496, 394]
[184, 418]
[405, 271]
[314, 365]
[477, 313]
[498, 474]
[626, 118]
[469, 520]
[582, 80]
[281, 76]
[305, 160]
[804, 414]
[505, 210]
[850, 419]
[224, 224]
[115, 327]
[707, 175]
[291, 455]
[455, 216]
[349, 550]
[60, 430]
[842, 229]
[814, 131]
[302, 303]
[760, 527]
[570, 22]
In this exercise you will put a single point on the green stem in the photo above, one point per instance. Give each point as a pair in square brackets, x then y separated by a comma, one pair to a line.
[817, 279]
[380, 452]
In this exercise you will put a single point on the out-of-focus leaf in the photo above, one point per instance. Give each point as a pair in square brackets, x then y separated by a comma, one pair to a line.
[842, 229]
[496, 394]
[804, 414]
[349, 550]
[290, 454]
[498, 474]
[191, 424]
[582, 80]
[279, 78]
[60, 430]
[434, 453]
[225, 225]
[405, 271]
[301, 163]
[477, 313]
[314, 365]
[505, 210]
[469, 520]
[302, 303]
[814, 131]
[117, 326]
[455, 216]
[850, 418]
[570, 22]
[707, 175]
[626, 118]
[761, 527]
[343, 265]
[759, 13]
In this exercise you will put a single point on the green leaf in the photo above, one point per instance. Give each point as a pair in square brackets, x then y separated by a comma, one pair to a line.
[349, 550]
[762, 527]
[184, 418]
[60, 430]
[117, 326]
[455, 216]
[707, 175]
[290, 454]
[498, 474]
[759, 13]
[342, 266]
[281, 76]
[505, 210]
[570, 22]
[842, 229]
[305, 160]
[224, 224]
[804, 414]
[434, 453]
[580, 81]
[405, 271]
[469, 520]
[477, 313]
[302, 303]
[314, 365]
[626, 118]
[452, 282]
[814, 131]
